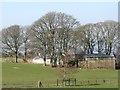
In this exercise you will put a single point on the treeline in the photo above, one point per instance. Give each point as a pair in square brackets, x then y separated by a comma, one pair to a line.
[56, 33]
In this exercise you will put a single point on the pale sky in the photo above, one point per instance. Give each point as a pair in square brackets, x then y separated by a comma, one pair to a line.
[25, 13]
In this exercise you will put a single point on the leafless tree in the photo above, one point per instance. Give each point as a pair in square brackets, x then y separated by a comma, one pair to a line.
[11, 39]
[106, 34]
[117, 54]
[52, 30]
[87, 38]
[27, 42]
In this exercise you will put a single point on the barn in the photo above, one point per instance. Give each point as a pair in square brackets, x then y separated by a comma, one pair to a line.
[96, 61]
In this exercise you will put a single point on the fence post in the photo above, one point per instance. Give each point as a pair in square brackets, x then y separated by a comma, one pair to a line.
[81, 83]
[69, 81]
[88, 82]
[75, 81]
[96, 81]
[39, 84]
[57, 82]
[103, 81]
[63, 82]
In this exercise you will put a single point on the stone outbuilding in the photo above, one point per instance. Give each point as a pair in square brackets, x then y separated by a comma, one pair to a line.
[96, 61]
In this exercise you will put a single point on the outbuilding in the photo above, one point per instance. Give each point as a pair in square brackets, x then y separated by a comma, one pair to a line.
[39, 60]
[96, 61]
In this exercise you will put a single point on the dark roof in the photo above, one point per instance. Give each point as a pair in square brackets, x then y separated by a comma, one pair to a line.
[97, 56]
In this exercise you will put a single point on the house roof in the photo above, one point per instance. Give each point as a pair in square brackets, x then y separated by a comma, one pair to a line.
[83, 56]
[97, 56]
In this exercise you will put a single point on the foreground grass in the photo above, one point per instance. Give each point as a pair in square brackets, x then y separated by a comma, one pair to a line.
[27, 75]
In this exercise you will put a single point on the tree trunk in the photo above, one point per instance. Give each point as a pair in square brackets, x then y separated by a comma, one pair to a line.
[77, 63]
[16, 58]
[44, 60]
[25, 54]
[110, 48]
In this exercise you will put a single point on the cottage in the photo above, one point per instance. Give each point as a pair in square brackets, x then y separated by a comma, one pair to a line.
[96, 61]
[39, 60]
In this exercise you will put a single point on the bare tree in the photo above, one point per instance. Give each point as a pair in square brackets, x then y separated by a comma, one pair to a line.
[117, 53]
[99, 37]
[27, 42]
[47, 30]
[87, 38]
[106, 36]
[11, 39]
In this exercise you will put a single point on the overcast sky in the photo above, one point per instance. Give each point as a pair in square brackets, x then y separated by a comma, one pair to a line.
[26, 13]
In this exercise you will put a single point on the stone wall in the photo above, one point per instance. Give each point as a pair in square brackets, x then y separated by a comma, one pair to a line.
[98, 63]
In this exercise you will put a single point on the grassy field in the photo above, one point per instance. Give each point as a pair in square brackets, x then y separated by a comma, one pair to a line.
[27, 75]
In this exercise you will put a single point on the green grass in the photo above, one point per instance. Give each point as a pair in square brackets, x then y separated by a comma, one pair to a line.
[27, 75]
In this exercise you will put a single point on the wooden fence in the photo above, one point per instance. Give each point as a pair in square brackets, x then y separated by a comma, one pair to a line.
[74, 82]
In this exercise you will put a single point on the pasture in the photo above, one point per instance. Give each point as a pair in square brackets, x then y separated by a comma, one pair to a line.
[21, 75]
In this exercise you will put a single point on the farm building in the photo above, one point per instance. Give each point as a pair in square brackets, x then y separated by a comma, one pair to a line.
[96, 61]
[39, 60]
